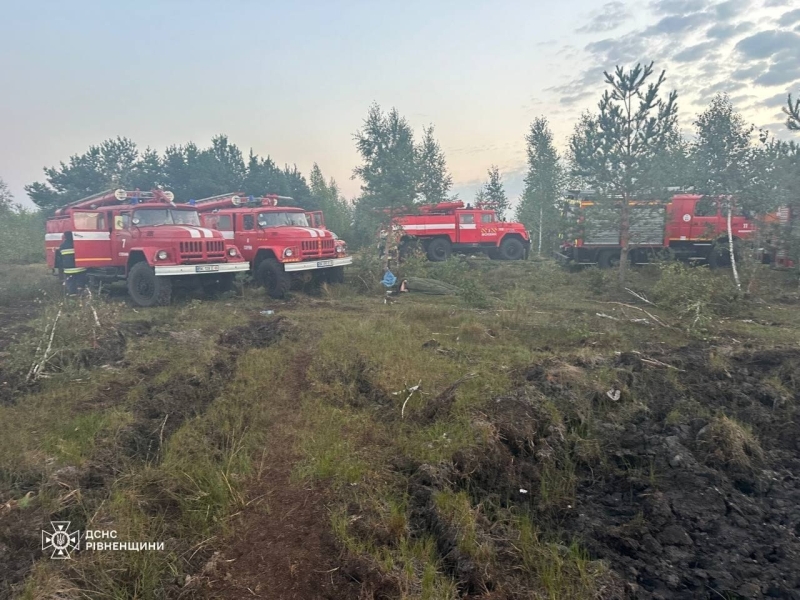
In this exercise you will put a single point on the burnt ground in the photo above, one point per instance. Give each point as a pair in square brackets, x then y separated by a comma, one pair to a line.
[282, 547]
[158, 412]
[676, 505]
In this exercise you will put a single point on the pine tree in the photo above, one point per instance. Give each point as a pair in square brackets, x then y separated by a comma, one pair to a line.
[614, 151]
[543, 183]
[494, 193]
[723, 160]
[388, 171]
[389, 168]
[6, 198]
[333, 206]
[434, 182]
[792, 111]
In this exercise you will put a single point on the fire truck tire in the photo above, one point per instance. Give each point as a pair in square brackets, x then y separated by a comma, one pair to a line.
[720, 255]
[439, 249]
[334, 275]
[146, 289]
[275, 280]
[512, 249]
[608, 259]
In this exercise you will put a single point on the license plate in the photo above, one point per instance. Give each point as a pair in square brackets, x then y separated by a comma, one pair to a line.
[324, 263]
[206, 268]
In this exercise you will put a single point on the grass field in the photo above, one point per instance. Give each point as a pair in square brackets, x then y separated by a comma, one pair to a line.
[542, 435]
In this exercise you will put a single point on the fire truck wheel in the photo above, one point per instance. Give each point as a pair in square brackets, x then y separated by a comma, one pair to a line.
[275, 280]
[608, 259]
[146, 289]
[720, 255]
[439, 250]
[512, 249]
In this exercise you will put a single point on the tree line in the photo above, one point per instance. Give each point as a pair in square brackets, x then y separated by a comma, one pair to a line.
[629, 148]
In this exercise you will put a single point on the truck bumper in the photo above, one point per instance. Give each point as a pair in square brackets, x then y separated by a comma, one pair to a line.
[205, 269]
[309, 265]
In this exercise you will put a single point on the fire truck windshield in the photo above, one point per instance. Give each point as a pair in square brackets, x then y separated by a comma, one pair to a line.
[281, 219]
[165, 216]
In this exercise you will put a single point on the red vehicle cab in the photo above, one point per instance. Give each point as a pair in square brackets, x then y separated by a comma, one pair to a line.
[145, 239]
[688, 227]
[450, 227]
[278, 241]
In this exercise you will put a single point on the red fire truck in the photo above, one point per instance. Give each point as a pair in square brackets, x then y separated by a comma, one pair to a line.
[449, 227]
[276, 240]
[144, 238]
[689, 227]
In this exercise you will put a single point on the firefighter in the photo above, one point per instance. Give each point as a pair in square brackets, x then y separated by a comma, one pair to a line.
[76, 276]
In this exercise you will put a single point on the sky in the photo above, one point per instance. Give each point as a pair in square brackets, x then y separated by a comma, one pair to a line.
[294, 80]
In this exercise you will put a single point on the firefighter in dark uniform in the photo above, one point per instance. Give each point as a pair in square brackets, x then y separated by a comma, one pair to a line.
[76, 276]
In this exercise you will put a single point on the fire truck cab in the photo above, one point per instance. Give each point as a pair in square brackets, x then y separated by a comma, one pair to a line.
[145, 239]
[277, 241]
[450, 227]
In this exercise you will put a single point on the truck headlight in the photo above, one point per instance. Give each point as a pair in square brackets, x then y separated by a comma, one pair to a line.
[231, 251]
[162, 255]
[288, 253]
[339, 249]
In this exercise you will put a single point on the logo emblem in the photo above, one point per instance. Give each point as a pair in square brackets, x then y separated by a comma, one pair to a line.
[60, 540]
[687, 217]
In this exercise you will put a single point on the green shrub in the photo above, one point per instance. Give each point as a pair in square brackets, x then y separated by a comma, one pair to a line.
[695, 291]
[21, 237]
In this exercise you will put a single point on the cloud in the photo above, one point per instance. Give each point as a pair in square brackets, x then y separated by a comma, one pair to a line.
[724, 31]
[610, 16]
[730, 9]
[694, 53]
[680, 7]
[789, 18]
[773, 3]
[779, 73]
[766, 43]
[676, 24]
[747, 73]
[776, 100]
[725, 85]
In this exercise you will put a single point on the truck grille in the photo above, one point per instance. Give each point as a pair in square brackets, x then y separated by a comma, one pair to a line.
[202, 251]
[318, 248]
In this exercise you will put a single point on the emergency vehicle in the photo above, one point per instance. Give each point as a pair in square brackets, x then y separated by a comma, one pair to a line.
[688, 227]
[450, 227]
[277, 241]
[145, 239]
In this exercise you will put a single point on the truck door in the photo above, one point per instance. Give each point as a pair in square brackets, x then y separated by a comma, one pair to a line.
[91, 238]
[222, 223]
[680, 213]
[121, 237]
[316, 219]
[467, 228]
[488, 227]
[706, 219]
[246, 235]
